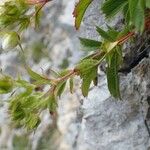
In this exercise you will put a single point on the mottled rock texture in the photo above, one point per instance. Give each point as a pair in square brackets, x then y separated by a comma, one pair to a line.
[110, 124]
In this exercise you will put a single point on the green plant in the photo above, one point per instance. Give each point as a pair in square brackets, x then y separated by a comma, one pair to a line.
[26, 104]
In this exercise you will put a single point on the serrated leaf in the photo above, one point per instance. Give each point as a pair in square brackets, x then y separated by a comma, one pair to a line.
[87, 70]
[89, 44]
[79, 11]
[40, 79]
[87, 79]
[53, 73]
[37, 17]
[137, 14]
[112, 7]
[24, 23]
[112, 32]
[112, 75]
[32, 121]
[104, 34]
[24, 84]
[85, 66]
[139, 17]
[6, 84]
[52, 103]
[71, 84]
[61, 88]
[126, 14]
[85, 86]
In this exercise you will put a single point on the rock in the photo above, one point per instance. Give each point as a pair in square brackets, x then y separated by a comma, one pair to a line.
[111, 124]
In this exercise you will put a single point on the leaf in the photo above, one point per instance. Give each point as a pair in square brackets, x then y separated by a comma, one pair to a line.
[37, 18]
[24, 23]
[24, 84]
[108, 46]
[139, 17]
[137, 14]
[71, 84]
[54, 73]
[89, 44]
[85, 66]
[104, 34]
[147, 3]
[32, 121]
[79, 11]
[40, 79]
[87, 70]
[6, 84]
[52, 103]
[126, 14]
[61, 88]
[10, 40]
[87, 79]
[112, 32]
[112, 7]
[112, 75]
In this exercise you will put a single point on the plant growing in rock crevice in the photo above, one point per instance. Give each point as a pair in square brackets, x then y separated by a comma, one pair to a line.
[18, 15]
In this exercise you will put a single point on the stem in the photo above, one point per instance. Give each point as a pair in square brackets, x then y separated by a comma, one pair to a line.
[71, 73]
[97, 54]
[125, 38]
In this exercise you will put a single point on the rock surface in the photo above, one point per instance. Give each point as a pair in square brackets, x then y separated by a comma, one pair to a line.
[110, 124]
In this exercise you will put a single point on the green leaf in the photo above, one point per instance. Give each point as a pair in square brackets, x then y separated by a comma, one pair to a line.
[52, 102]
[38, 14]
[87, 70]
[85, 66]
[10, 40]
[89, 44]
[108, 46]
[24, 84]
[32, 121]
[85, 86]
[112, 75]
[87, 79]
[40, 79]
[104, 34]
[147, 3]
[112, 32]
[126, 14]
[24, 23]
[6, 84]
[71, 84]
[79, 11]
[112, 7]
[54, 73]
[137, 14]
[61, 88]
[24, 109]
